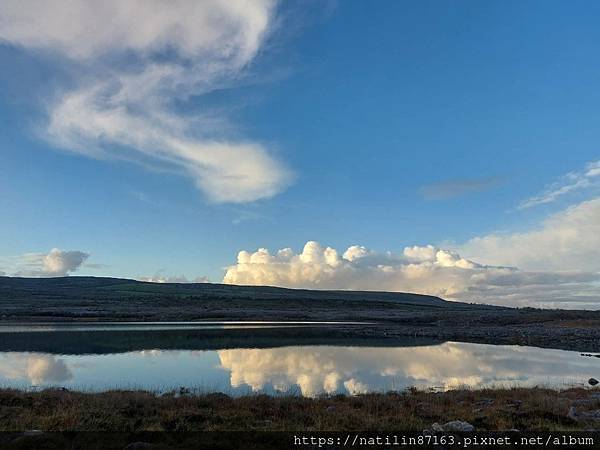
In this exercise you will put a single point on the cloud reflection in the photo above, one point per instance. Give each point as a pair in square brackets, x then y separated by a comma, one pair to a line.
[354, 370]
[35, 368]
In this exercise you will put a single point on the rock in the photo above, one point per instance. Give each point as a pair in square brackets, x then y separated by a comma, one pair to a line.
[484, 403]
[583, 415]
[437, 428]
[515, 403]
[583, 401]
[572, 414]
[593, 381]
[590, 415]
[330, 408]
[454, 425]
[32, 432]
[138, 445]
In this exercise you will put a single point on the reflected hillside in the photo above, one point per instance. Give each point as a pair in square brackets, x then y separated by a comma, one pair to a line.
[58, 340]
[304, 370]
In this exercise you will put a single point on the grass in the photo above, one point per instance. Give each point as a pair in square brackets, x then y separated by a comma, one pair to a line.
[525, 409]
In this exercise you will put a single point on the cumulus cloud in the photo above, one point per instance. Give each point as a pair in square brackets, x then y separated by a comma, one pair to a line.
[573, 181]
[556, 264]
[142, 60]
[421, 269]
[56, 263]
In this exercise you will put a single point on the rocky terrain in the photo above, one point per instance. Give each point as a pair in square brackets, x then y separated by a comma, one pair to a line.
[384, 315]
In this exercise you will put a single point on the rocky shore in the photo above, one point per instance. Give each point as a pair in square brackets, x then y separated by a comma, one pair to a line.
[385, 315]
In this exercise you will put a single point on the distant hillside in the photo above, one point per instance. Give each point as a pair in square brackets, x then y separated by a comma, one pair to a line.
[102, 288]
[89, 298]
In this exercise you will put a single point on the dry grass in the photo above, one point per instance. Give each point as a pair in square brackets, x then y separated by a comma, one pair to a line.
[128, 411]
[577, 323]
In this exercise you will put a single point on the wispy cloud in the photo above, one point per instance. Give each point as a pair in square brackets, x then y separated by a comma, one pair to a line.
[143, 59]
[573, 181]
[566, 240]
[457, 187]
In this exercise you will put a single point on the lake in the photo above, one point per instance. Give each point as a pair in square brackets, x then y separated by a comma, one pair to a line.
[266, 357]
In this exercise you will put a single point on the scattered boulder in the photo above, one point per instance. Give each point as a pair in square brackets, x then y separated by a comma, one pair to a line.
[32, 432]
[593, 381]
[572, 414]
[583, 401]
[583, 415]
[138, 445]
[591, 415]
[184, 391]
[484, 403]
[454, 425]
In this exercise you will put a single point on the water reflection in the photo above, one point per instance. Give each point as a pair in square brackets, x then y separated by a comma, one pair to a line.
[450, 365]
[35, 368]
[309, 370]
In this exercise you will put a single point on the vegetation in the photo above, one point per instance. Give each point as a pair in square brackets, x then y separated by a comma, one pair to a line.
[384, 315]
[134, 411]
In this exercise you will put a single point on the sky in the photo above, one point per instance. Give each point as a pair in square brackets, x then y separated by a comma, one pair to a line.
[441, 148]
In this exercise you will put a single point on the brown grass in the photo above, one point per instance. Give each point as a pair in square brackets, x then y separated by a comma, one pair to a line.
[577, 323]
[128, 411]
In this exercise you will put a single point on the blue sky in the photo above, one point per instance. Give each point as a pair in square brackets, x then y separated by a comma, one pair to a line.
[387, 126]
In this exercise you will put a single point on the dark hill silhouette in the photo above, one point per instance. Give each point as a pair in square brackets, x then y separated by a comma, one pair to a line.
[97, 298]
[108, 288]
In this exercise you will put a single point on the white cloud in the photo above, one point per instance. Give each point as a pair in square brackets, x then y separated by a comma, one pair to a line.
[142, 58]
[160, 278]
[426, 270]
[573, 181]
[56, 263]
[567, 240]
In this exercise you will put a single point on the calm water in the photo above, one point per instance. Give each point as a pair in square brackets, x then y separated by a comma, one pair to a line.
[299, 369]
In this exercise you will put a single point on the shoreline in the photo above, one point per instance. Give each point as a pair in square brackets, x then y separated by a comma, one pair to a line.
[543, 329]
[388, 315]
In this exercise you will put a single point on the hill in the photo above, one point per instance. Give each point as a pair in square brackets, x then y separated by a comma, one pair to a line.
[109, 288]
[96, 298]
[383, 315]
